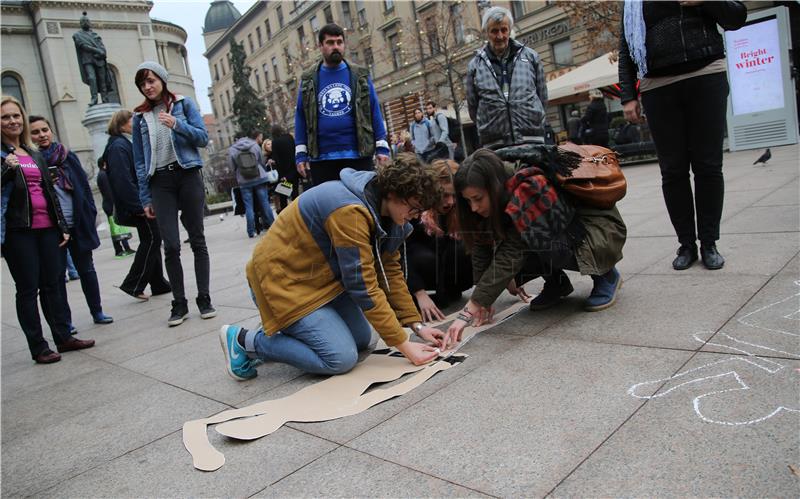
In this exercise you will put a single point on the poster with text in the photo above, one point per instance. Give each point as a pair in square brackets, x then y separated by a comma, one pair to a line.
[754, 67]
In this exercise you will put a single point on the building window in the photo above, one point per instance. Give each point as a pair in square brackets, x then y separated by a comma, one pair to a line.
[216, 73]
[258, 36]
[268, 28]
[279, 10]
[348, 17]
[222, 103]
[265, 68]
[301, 35]
[13, 87]
[458, 23]
[275, 76]
[397, 61]
[362, 14]
[517, 9]
[388, 6]
[250, 42]
[562, 53]
[258, 81]
[328, 14]
[314, 24]
[222, 65]
[228, 98]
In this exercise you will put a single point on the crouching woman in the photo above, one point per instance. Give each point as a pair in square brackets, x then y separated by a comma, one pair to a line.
[329, 268]
[519, 226]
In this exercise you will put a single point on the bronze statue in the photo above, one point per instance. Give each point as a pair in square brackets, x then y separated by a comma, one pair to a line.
[92, 62]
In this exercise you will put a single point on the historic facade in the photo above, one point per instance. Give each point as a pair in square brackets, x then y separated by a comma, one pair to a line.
[415, 50]
[40, 63]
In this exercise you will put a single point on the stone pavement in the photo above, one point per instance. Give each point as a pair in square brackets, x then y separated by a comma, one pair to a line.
[689, 386]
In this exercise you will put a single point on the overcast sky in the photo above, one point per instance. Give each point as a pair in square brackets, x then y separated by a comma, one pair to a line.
[190, 15]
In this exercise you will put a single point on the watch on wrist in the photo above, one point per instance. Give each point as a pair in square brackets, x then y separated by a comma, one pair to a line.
[417, 327]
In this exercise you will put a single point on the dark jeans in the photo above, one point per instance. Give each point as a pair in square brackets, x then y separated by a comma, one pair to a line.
[181, 190]
[687, 120]
[84, 264]
[146, 267]
[548, 264]
[35, 262]
[324, 171]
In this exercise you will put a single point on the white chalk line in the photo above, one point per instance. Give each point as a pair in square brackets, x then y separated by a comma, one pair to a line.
[761, 363]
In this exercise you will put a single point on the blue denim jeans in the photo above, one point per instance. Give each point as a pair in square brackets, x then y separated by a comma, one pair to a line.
[326, 341]
[261, 193]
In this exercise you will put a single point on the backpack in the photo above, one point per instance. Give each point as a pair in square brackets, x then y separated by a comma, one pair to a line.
[247, 164]
[452, 130]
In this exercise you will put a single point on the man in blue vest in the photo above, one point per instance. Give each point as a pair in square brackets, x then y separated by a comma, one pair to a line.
[338, 122]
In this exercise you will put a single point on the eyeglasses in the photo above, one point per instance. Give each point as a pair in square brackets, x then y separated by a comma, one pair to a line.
[414, 211]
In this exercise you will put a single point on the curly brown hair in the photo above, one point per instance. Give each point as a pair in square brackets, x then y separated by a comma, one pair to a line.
[406, 178]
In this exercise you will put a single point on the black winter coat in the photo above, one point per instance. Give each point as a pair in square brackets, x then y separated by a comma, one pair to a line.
[283, 154]
[679, 39]
[595, 123]
[122, 177]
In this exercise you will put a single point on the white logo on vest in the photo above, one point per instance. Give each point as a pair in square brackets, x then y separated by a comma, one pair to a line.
[334, 100]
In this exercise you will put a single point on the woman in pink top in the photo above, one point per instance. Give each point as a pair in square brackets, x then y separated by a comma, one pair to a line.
[35, 229]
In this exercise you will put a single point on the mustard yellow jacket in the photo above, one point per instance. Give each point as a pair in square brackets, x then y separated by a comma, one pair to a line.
[330, 241]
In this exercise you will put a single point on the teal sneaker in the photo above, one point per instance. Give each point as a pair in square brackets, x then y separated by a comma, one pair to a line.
[238, 364]
[604, 292]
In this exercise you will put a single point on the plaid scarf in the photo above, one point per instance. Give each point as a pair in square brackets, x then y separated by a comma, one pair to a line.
[56, 155]
[539, 213]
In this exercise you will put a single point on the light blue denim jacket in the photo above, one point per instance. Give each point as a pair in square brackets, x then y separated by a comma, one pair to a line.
[188, 135]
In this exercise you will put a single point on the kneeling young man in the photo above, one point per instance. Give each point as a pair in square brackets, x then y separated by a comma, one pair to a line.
[329, 268]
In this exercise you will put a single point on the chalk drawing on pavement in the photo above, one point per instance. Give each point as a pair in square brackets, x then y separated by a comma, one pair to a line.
[747, 384]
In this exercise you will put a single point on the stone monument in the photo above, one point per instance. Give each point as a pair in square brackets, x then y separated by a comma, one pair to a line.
[96, 73]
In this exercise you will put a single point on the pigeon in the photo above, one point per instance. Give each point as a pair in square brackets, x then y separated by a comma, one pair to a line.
[764, 157]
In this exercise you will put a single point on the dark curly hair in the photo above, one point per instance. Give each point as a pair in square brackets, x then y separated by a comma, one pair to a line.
[406, 178]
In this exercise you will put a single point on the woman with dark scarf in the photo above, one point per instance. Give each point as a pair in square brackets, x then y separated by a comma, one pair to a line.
[35, 232]
[146, 267]
[519, 225]
[77, 204]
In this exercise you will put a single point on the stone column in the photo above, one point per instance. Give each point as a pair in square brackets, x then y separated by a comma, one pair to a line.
[96, 121]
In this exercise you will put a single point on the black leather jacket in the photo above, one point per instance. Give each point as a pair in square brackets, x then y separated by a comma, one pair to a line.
[679, 39]
[18, 215]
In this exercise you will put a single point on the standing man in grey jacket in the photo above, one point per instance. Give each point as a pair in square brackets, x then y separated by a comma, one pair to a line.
[506, 89]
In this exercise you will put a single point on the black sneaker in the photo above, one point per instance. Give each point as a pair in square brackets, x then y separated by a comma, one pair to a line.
[207, 310]
[180, 309]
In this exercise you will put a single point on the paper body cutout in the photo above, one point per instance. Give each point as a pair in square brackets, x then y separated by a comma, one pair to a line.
[332, 398]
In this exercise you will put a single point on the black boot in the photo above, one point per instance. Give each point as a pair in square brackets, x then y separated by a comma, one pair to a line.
[712, 260]
[687, 255]
[555, 287]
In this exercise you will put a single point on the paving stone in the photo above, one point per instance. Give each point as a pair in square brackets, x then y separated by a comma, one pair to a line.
[164, 468]
[213, 380]
[661, 311]
[744, 254]
[348, 473]
[65, 429]
[751, 220]
[667, 450]
[517, 425]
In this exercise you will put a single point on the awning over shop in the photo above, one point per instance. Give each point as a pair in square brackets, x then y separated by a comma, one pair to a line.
[594, 74]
